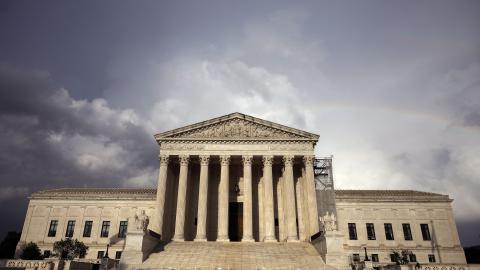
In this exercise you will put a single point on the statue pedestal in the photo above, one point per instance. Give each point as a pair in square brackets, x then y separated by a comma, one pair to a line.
[368, 265]
[138, 245]
[335, 254]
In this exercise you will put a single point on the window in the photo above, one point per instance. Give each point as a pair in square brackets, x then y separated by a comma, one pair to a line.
[352, 231]
[70, 228]
[393, 258]
[356, 257]
[389, 231]
[122, 230]
[52, 231]
[412, 257]
[100, 254]
[105, 229]
[407, 232]
[375, 258]
[118, 254]
[370, 231]
[425, 232]
[46, 253]
[431, 258]
[87, 230]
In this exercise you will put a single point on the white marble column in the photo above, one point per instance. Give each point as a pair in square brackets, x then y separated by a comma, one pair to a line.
[247, 199]
[161, 187]
[223, 193]
[290, 199]
[311, 195]
[301, 217]
[268, 201]
[202, 200]
[181, 199]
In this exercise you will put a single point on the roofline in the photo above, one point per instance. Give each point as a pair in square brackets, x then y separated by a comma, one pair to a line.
[163, 135]
[392, 190]
[416, 196]
[94, 193]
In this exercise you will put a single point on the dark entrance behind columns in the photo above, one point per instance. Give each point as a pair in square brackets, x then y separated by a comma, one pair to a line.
[235, 221]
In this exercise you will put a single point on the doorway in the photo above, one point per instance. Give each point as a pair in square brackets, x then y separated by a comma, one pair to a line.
[235, 221]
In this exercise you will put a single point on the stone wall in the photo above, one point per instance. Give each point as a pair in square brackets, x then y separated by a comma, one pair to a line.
[397, 209]
[42, 211]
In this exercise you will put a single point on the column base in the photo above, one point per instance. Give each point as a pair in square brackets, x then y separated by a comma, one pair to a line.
[223, 239]
[178, 239]
[200, 239]
[248, 240]
[270, 239]
[293, 239]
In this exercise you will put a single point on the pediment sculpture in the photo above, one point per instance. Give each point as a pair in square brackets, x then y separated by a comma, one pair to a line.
[237, 129]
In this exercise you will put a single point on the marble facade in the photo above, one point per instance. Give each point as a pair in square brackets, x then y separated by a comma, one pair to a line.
[264, 167]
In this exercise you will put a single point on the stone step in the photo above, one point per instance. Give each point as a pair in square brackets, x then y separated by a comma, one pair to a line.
[233, 255]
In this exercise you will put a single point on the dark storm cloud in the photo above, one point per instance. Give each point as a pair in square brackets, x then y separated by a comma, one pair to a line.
[51, 140]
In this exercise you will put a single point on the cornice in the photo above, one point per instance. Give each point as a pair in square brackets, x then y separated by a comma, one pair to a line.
[389, 196]
[235, 140]
[102, 194]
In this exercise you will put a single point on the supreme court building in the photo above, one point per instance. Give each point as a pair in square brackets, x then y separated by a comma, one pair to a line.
[239, 192]
[241, 176]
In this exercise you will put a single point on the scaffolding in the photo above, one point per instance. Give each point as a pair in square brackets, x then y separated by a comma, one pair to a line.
[324, 186]
[323, 172]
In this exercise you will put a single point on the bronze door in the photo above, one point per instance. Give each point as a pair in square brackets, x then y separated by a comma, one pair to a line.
[235, 221]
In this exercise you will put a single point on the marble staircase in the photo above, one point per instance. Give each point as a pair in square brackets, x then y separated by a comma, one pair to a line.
[235, 255]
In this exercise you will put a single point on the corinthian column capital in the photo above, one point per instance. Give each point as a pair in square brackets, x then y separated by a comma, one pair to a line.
[184, 159]
[164, 159]
[308, 160]
[267, 160]
[204, 160]
[247, 160]
[225, 160]
[288, 160]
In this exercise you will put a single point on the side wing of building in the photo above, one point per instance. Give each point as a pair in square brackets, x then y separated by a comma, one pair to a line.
[381, 221]
[96, 217]
[384, 221]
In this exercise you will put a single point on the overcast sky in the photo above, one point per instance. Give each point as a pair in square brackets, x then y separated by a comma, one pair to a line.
[392, 87]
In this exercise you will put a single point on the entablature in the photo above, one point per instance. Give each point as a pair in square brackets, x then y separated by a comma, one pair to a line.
[275, 149]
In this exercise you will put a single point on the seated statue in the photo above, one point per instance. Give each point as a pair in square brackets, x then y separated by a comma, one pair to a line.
[141, 221]
[328, 222]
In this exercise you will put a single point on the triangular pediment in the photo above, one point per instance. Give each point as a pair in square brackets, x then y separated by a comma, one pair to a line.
[236, 126]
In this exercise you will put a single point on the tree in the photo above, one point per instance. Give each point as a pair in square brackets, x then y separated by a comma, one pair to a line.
[401, 257]
[8, 245]
[31, 252]
[69, 249]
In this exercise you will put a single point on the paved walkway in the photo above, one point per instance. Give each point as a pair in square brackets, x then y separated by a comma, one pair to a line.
[218, 255]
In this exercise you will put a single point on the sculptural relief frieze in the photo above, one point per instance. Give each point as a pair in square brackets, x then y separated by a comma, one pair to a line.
[237, 129]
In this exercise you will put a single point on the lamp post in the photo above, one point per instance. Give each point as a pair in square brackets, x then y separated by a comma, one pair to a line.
[366, 255]
[106, 253]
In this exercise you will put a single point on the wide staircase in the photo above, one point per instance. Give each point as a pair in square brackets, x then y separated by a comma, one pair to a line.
[232, 255]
